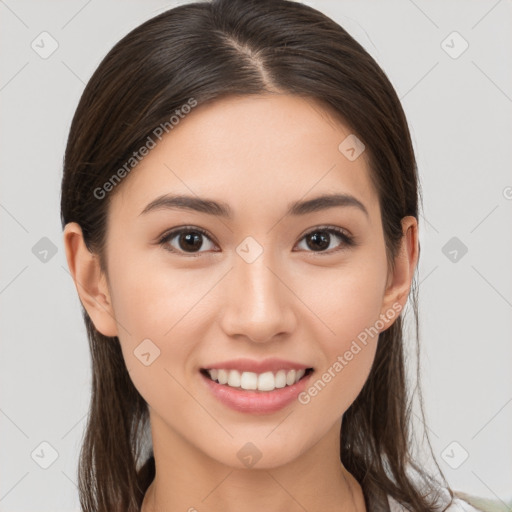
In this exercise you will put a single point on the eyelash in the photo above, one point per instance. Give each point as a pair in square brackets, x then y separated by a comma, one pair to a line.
[347, 241]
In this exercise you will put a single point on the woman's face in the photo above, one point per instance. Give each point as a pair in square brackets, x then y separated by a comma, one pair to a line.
[262, 283]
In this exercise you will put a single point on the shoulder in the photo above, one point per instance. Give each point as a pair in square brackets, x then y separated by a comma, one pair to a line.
[479, 504]
[461, 503]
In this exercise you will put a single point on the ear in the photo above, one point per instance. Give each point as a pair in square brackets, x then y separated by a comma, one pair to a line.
[90, 281]
[400, 278]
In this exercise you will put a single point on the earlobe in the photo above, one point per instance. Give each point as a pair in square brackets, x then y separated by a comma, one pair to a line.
[400, 278]
[90, 282]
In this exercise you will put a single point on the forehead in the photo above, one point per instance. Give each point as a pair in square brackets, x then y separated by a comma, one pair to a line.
[251, 151]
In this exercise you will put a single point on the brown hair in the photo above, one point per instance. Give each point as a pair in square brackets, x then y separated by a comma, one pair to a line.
[206, 51]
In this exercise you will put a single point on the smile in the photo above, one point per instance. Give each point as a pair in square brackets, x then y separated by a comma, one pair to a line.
[251, 381]
[256, 387]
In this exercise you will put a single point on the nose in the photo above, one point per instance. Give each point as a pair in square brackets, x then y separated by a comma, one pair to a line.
[259, 303]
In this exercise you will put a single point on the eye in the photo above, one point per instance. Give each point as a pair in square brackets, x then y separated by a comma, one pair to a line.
[188, 239]
[320, 239]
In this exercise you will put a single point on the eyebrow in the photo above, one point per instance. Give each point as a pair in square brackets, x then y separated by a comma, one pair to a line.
[221, 209]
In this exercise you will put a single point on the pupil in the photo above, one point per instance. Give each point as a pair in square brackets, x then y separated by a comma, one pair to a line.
[323, 240]
[320, 240]
[191, 240]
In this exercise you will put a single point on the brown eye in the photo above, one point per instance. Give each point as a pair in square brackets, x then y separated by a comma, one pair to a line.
[320, 240]
[186, 240]
[190, 241]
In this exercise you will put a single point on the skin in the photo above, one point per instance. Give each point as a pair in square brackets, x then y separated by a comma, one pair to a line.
[258, 154]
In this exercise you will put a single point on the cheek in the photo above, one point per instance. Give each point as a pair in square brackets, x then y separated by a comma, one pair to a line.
[150, 298]
[352, 308]
[348, 299]
[159, 304]
[335, 387]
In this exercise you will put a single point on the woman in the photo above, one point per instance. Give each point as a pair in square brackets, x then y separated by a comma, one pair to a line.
[240, 205]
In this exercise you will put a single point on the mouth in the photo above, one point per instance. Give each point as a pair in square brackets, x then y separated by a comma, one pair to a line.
[264, 382]
[256, 386]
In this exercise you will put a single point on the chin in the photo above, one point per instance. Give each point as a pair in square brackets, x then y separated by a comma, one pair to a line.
[259, 452]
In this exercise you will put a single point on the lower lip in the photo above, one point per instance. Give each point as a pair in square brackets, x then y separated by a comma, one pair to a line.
[256, 402]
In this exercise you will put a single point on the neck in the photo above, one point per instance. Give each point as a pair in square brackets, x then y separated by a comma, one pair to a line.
[186, 479]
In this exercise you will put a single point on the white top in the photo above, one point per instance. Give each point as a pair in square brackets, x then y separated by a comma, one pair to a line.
[458, 505]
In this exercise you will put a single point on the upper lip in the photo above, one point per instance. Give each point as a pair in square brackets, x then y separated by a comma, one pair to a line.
[252, 365]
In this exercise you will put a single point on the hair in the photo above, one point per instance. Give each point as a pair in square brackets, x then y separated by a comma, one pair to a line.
[208, 51]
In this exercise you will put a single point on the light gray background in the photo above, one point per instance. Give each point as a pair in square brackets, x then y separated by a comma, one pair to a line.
[459, 110]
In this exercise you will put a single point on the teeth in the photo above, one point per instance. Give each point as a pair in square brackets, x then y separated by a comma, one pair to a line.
[290, 377]
[299, 375]
[234, 379]
[267, 381]
[248, 380]
[280, 379]
[222, 376]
